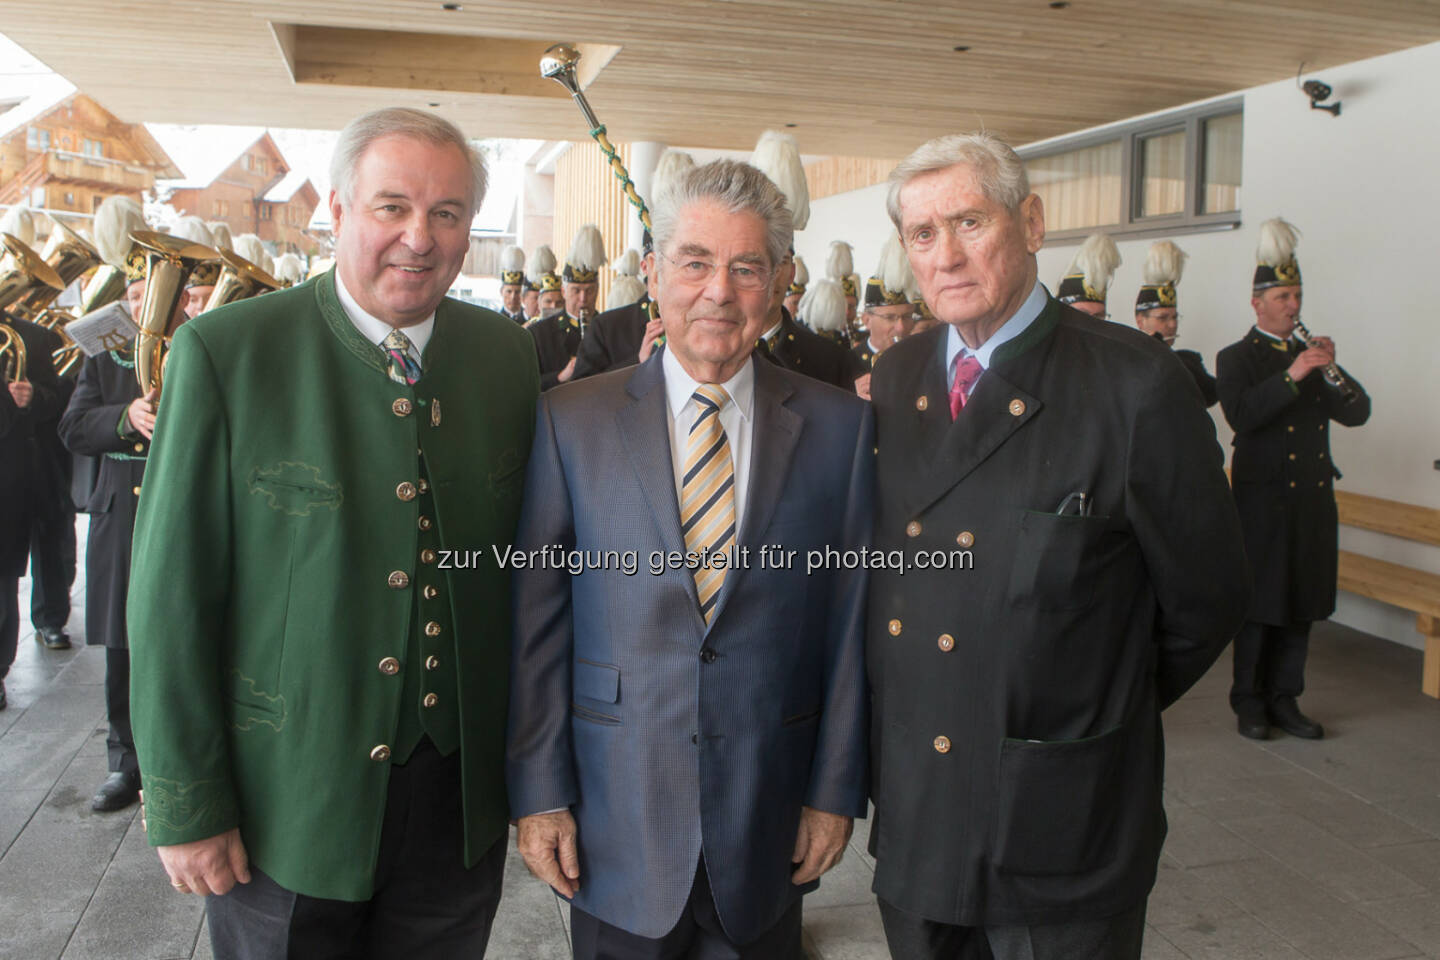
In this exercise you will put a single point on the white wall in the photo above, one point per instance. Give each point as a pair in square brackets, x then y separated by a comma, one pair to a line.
[1364, 191]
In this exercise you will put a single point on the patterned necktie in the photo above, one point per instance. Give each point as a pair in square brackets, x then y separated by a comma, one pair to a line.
[967, 371]
[403, 367]
[707, 493]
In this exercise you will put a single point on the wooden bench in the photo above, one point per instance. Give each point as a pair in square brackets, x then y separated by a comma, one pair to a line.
[1394, 583]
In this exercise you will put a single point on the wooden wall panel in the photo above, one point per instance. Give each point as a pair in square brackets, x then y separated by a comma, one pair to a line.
[587, 192]
[842, 174]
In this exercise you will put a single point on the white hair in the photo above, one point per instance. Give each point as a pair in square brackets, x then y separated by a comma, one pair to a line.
[733, 185]
[997, 168]
[364, 130]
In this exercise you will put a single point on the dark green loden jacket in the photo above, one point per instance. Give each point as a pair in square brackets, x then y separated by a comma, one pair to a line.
[275, 563]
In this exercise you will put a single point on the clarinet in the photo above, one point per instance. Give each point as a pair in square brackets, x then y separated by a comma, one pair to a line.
[1331, 371]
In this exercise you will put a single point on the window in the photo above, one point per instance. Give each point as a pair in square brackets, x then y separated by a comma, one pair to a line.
[69, 199]
[37, 197]
[215, 208]
[92, 148]
[37, 139]
[1163, 176]
[264, 211]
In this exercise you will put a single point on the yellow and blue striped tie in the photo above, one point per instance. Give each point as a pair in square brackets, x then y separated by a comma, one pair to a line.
[707, 493]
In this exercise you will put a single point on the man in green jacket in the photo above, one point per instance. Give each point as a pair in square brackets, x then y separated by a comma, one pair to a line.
[318, 683]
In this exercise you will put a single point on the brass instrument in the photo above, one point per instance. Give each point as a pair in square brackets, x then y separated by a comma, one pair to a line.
[70, 255]
[12, 354]
[169, 261]
[239, 280]
[1331, 371]
[27, 272]
[105, 286]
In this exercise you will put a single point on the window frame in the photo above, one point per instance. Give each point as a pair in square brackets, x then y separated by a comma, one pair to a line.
[1130, 225]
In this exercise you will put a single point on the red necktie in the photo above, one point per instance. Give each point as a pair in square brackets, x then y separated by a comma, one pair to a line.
[967, 371]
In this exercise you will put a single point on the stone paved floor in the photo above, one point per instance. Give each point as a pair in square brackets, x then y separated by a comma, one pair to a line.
[1281, 850]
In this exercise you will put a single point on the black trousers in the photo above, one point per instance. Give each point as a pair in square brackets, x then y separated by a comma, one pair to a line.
[52, 571]
[698, 935]
[120, 743]
[426, 904]
[1107, 938]
[9, 622]
[1269, 665]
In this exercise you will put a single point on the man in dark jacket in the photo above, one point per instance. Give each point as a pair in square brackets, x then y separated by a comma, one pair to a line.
[1018, 680]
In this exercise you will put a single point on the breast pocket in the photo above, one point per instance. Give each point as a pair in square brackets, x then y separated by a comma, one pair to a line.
[1056, 558]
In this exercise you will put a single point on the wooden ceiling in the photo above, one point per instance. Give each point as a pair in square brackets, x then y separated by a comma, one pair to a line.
[854, 78]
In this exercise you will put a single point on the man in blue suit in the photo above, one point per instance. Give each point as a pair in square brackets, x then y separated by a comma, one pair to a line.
[687, 743]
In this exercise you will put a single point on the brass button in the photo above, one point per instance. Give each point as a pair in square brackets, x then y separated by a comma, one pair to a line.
[1292, 483]
[432, 629]
[425, 523]
[430, 700]
[1017, 407]
[1320, 483]
[912, 529]
[380, 754]
[399, 579]
[427, 555]
[1290, 429]
[389, 666]
[430, 592]
[139, 448]
[922, 403]
[405, 491]
[965, 538]
[895, 628]
[432, 663]
[1320, 456]
[942, 744]
[1292, 456]
[1321, 428]
[402, 407]
[135, 490]
[946, 642]
[424, 485]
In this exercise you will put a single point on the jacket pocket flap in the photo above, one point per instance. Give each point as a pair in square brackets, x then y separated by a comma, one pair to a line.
[597, 681]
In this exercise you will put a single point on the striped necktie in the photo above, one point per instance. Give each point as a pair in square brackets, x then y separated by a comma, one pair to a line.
[707, 493]
[403, 366]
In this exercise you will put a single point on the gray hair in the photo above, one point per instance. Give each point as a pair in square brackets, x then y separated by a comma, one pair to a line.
[364, 130]
[997, 167]
[736, 186]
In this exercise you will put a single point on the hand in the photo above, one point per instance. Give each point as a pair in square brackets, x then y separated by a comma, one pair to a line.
[862, 387]
[654, 329]
[820, 843]
[212, 865]
[1309, 359]
[22, 392]
[141, 414]
[547, 842]
[568, 372]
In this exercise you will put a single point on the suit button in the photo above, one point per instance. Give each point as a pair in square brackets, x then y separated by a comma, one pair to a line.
[380, 754]
[942, 744]
[1292, 456]
[430, 700]
[1017, 407]
[389, 666]
[432, 629]
[430, 592]
[966, 539]
[135, 490]
[1290, 429]
[426, 523]
[139, 448]
[922, 403]
[432, 663]
[1320, 456]
[405, 491]
[1292, 483]
[1321, 428]
[895, 628]
[427, 555]
[402, 407]
[399, 579]
[1320, 483]
[707, 655]
[912, 529]
[946, 642]
[424, 485]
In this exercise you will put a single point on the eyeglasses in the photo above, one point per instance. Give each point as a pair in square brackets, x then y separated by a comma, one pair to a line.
[743, 276]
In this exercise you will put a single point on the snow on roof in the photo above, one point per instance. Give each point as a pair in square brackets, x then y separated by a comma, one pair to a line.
[287, 187]
[45, 92]
[201, 152]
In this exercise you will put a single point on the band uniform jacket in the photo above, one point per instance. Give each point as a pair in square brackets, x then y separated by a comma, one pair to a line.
[92, 427]
[796, 348]
[612, 339]
[1205, 383]
[1017, 749]
[556, 339]
[1283, 477]
[28, 484]
[275, 565]
[660, 733]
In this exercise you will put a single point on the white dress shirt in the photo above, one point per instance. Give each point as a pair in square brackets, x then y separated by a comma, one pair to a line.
[375, 330]
[737, 417]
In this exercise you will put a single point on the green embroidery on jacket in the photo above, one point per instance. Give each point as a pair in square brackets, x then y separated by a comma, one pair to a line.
[252, 706]
[295, 489]
[202, 807]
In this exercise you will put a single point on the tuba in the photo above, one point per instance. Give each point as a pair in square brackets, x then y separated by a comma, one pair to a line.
[26, 272]
[169, 262]
[239, 280]
[70, 255]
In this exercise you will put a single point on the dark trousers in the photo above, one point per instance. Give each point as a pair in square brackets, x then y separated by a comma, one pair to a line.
[120, 743]
[1269, 665]
[9, 622]
[426, 904]
[52, 571]
[697, 936]
[1107, 938]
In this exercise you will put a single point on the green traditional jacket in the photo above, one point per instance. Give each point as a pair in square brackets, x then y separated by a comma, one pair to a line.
[276, 567]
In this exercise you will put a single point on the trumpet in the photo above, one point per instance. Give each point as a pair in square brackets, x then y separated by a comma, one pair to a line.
[239, 280]
[1331, 371]
[169, 262]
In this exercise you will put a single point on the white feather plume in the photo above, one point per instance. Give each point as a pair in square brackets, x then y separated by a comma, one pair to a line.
[512, 259]
[19, 222]
[625, 290]
[1277, 242]
[542, 261]
[841, 261]
[252, 248]
[777, 155]
[194, 230]
[673, 165]
[116, 218]
[824, 306]
[587, 251]
[802, 272]
[628, 265]
[894, 268]
[1097, 260]
[1164, 264]
[289, 269]
[220, 230]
